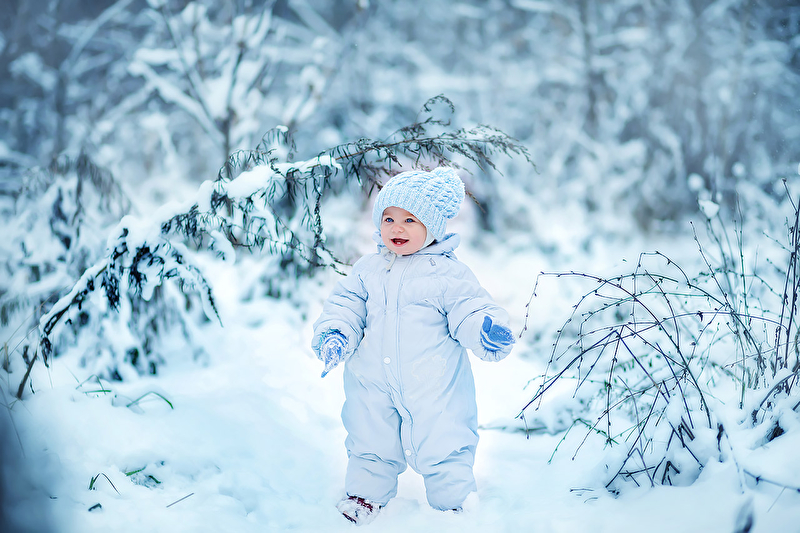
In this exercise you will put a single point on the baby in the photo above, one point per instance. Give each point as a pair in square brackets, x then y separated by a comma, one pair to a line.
[402, 321]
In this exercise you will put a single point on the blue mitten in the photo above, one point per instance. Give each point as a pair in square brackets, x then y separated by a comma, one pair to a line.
[332, 350]
[495, 338]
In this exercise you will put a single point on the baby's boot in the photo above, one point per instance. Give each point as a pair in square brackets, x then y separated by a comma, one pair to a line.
[358, 510]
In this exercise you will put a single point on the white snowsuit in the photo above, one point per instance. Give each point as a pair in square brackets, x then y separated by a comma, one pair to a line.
[410, 394]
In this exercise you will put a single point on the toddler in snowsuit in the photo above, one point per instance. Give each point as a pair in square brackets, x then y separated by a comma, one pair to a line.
[402, 320]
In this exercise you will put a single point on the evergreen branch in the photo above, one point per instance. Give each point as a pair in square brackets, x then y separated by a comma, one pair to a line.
[260, 200]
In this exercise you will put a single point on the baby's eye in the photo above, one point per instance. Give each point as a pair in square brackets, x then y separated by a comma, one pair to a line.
[410, 220]
[388, 220]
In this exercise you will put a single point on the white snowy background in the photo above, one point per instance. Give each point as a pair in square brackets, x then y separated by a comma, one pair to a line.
[646, 123]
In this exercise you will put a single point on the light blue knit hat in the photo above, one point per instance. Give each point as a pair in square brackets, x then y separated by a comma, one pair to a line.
[433, 197]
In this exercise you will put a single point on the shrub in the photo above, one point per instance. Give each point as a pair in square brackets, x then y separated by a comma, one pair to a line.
[669, 367]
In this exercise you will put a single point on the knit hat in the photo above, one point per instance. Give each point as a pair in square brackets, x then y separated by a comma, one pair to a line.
[433, 197]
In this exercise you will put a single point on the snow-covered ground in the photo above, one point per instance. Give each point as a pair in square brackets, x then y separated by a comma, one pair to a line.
[249, 439]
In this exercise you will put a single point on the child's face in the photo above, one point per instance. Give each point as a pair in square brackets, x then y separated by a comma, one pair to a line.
[401, 231]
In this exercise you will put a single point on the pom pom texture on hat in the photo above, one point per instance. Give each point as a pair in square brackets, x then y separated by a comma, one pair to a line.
[433, 197]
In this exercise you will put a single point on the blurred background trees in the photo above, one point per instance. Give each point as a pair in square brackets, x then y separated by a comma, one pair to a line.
[619, 101]
[636, 109]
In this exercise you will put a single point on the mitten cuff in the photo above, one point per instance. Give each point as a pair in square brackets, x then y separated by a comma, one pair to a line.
[495, 355]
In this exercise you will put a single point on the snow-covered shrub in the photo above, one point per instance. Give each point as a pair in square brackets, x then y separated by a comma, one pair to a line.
[55, 232]
[52, 233]
[671, 368]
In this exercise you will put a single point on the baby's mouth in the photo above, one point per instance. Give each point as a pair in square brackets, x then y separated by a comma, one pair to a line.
[399, 242]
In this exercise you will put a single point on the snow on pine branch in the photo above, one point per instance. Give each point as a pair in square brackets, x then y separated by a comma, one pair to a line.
[142, 253]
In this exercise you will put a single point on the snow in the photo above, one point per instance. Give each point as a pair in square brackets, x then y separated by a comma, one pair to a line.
[250, 440]
[709, 208]
[31, 66]
[246, 436]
